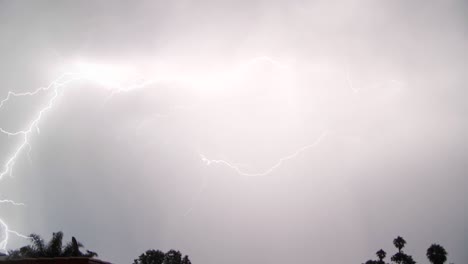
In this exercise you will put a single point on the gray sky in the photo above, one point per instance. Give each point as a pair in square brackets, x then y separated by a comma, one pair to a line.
[384, 79]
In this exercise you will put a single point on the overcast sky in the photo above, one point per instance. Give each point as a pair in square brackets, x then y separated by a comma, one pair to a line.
[381, 84]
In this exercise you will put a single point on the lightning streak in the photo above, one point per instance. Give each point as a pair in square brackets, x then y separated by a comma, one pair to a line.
[272, 168]
[60, 82]
[12, 202]
[241, 172]
[6, 234]
[8, 166]
[55, 85]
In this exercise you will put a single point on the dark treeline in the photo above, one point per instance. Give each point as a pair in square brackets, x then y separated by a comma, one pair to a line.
[436, 254]
[54, 248]
[158, 257]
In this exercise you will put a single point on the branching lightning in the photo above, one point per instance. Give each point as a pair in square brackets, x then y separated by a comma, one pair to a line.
[55, 86]
[6, 234]
[33, 125]
[8, 166]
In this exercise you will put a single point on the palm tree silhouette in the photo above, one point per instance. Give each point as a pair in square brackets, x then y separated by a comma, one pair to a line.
[54, 248]
[400, 257]
[436, 254]
[381, 255]
[399, 243]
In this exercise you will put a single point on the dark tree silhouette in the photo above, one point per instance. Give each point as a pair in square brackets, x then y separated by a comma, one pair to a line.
[402, 258]
[436, 254]
[158, 257]
[399, 243]
[54, 248]
[186, 260]
[150, 257]
[173, 257]
[381, 254]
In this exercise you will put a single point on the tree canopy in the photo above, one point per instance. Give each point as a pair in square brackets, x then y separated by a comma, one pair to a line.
[435, 253]
[54, 248]
[399, 243]
[158, 257]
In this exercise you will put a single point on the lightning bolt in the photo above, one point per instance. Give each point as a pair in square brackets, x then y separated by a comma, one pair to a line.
[349, 81]
[8, 166]
[33, 125]
[55, 86]
[241, 172]
[270, 170]
[6, 234]
[12, 202]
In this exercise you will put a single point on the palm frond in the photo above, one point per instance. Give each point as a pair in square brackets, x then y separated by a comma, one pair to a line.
[54, 247]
